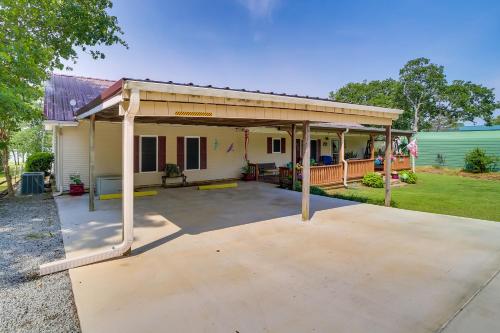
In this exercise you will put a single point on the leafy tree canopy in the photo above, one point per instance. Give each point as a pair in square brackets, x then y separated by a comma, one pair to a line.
[427, 98]
[37, 36]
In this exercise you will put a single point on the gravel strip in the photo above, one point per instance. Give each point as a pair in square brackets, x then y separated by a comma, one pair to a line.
[30, 234]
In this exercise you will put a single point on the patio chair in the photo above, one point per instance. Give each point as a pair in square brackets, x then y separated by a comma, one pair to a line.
[173, 171]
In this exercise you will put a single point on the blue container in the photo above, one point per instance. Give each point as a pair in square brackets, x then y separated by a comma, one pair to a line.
[32, 183]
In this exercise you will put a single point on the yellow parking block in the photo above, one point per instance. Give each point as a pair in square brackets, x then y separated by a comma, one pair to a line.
[217, 186]
[119, 195]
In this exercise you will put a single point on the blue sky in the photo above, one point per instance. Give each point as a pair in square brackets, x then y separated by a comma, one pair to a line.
[304, 47]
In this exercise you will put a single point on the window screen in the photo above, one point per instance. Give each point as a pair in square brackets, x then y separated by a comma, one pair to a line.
[148, 154]
[276, 145]
[192, 153]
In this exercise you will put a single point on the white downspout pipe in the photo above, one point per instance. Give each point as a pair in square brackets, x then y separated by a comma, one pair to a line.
[342, 139]
[128, 199]
[59, 163]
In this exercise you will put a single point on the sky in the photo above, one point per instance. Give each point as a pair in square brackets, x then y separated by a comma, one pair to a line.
[299, 47]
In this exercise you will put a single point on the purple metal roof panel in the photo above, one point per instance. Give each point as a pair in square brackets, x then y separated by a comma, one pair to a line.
[60, 90]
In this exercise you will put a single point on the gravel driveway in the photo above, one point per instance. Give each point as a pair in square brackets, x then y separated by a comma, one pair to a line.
[30, 234]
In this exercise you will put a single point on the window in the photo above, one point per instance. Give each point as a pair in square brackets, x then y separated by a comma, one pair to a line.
[192, 153]
[277, 145]
[149, 153]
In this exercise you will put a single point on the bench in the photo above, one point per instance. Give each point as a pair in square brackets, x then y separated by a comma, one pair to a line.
[173, 171]
[267, 169]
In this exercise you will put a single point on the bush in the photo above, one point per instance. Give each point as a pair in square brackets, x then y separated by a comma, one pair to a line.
[373, 179]
[313, 189]
[39, 162]
[477, 161]
[408, 177]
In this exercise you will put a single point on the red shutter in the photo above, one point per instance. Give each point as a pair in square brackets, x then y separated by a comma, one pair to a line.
[180, 152]
[269, 145]
[136, 153]
[162, 145]
[283, 145]
[203, 153]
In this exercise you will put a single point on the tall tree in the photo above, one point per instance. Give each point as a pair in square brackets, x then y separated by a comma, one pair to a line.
[37, 36]
[423, 84]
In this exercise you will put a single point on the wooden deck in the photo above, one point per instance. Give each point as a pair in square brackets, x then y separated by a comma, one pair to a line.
[333, 174]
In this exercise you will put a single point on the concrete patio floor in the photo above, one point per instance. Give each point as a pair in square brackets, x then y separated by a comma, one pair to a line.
[240, 260]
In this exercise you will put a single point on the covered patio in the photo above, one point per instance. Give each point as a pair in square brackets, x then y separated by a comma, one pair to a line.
[241, 260]
[130, 101]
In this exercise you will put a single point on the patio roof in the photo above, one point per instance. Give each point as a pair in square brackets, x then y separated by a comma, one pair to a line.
[169, 102]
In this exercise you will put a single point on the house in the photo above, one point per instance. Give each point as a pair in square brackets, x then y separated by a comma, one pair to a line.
[205, 152]
[448, 148]
[132, 128]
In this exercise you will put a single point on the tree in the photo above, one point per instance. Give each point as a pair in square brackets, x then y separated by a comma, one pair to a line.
[37, 36]
[422, 86]
[32, 138]
[426, 97]
[385, 93]
[495, 121]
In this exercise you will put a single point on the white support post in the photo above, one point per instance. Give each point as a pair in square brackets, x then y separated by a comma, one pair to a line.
[91, 162]
[128, 178]
[306, 169]
[294, 157]
[387, 165]
[128, 198]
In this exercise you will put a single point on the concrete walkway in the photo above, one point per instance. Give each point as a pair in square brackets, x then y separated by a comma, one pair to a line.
[240, 260]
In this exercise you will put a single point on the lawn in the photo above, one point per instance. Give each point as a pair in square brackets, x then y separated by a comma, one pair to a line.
[437, 193]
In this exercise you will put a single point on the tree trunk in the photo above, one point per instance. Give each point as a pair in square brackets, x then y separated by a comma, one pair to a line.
[8, 178]
[415, 120]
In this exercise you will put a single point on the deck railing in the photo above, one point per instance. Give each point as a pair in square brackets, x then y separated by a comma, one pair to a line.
[326, 174]
[358, 168]
[401, 162]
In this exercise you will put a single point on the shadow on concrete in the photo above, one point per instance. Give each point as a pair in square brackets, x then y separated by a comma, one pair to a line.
[195, 211]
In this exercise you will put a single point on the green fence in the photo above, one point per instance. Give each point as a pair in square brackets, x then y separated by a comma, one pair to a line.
[453, 146]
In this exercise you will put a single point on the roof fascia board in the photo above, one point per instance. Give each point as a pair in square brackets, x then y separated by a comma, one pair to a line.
[104, 105]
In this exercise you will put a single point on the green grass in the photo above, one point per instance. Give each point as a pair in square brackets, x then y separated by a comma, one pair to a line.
[12, 173]
[434, 193]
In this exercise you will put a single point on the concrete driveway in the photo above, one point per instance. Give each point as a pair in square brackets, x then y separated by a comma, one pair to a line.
[240, 260]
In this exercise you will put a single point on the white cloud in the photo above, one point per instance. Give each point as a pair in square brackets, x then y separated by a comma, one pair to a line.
[260, 8]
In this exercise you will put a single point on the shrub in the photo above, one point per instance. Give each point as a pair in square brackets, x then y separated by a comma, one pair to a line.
[313, 189]
[408, 177]
[373, 179]
[478, 162]
[39, 162]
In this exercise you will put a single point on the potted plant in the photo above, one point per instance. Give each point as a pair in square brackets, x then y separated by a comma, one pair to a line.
[246, 173]
[394, 175]
[76, 185]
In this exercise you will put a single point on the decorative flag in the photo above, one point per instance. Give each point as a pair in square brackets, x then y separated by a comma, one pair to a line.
[413, 148]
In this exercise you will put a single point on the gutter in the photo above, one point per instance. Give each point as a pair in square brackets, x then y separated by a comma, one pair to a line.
[128, 203]
[343, 156]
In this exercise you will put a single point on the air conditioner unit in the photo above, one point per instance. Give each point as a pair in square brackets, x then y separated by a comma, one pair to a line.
[108, 185]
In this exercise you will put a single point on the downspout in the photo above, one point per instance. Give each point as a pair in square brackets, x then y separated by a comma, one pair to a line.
[58, 156]
[128, 200]
[342, 138]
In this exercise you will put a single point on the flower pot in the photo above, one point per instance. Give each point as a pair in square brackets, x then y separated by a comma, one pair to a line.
[394, 176]
[76, 189]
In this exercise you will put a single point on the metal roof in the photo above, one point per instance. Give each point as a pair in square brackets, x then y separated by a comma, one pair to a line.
[61, 90]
